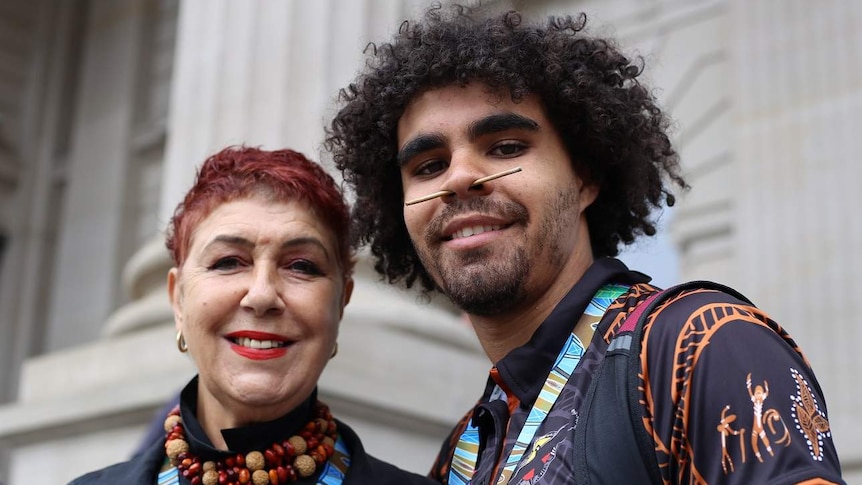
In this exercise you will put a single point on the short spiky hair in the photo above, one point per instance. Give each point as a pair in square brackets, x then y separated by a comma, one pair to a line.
[280, 175]
[610, 124]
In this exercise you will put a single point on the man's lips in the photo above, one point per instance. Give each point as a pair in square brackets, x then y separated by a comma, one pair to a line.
[472, 226]
[473, 231]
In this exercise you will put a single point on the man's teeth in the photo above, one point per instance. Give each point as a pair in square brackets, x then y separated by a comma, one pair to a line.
[259, 344]
[472, 231]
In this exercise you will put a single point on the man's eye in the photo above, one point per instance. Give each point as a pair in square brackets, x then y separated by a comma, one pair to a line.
[508, 149]
[226, 263]
[431, 167]
[305, 266]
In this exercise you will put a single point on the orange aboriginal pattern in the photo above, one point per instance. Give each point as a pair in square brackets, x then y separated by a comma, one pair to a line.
[693, 339]
[810, 420]
[622, 307]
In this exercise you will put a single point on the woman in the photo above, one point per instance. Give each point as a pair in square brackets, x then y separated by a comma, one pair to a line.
[262, 274]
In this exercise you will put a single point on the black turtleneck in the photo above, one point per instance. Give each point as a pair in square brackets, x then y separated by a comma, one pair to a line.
[256, 436]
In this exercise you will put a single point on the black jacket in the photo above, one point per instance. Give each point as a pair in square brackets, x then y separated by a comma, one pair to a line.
[364, 468]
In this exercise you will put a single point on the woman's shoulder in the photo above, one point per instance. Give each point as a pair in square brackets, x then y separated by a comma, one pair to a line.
[142, 469]
[367, 470]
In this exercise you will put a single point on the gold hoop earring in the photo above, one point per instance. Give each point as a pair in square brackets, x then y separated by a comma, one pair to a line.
[181, 343]
[334, 351]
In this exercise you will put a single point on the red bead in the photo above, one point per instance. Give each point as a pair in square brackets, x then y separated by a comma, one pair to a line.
[244, 476]
[278, 450]
[271, 458]
[230, 461]
[195, 468]
[282, 474]
[273, 477]
[312, 443]
[240, 460]
[289, 450]
[196, 480]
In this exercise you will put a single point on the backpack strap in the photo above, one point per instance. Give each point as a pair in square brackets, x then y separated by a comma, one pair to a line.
[611, 444]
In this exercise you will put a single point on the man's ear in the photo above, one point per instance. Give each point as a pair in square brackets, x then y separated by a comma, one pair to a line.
[346, 294]
[175, 296]
[588, 194]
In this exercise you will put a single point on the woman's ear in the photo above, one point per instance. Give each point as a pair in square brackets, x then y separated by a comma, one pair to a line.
[346, 294]
[175, 296]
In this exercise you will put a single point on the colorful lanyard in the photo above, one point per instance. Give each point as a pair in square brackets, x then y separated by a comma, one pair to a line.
[466, 453]
[332, 473]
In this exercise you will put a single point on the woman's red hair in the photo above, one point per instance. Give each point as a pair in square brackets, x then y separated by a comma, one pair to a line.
[280, 176]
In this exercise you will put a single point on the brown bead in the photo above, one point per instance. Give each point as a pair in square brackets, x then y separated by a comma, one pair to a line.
[260, 477]
[273, 477]
[304, 465]
[254, 461]
[328, 442]
[173, 448]
[298, 444]
[210, 477]
[322, 424]
[172, 421]
[209, 465]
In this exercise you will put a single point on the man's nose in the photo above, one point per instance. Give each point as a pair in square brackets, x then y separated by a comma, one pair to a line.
[464, 170]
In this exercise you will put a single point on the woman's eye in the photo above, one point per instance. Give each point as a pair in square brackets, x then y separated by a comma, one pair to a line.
[508, 149]
[432, 167]
[226, 263]
[305, 266]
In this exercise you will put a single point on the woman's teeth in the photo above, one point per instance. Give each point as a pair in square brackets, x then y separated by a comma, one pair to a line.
[259, 344]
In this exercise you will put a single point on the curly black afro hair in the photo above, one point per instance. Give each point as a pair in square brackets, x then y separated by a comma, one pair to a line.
[609, 122]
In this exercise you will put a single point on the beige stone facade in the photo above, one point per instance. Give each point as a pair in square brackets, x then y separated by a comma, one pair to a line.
[107, 106]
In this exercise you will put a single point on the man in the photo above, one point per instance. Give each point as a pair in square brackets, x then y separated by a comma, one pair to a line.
[504, 164]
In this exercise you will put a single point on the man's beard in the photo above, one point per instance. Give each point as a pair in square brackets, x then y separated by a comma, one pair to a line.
[486, 285]
[491, 289]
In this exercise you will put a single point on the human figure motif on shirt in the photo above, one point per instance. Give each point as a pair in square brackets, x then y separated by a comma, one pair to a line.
[526, 156]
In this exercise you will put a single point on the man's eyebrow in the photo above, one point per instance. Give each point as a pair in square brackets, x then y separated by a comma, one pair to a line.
[417, 145]
[500, 122]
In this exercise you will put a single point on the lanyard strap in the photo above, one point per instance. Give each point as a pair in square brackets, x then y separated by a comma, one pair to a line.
[333, 472]
[466, 452]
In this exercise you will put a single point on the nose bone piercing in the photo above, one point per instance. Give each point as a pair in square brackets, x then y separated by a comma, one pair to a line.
[476, 183]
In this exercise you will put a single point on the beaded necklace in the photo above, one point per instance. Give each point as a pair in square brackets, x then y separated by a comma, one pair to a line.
[282, 462]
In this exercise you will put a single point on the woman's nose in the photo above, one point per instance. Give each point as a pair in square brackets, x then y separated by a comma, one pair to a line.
[263, 296]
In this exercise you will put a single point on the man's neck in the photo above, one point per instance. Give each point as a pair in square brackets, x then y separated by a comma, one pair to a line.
[500, 334]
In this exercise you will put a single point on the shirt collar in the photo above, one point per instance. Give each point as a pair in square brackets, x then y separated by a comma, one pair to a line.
[257, 436]
[525, 368]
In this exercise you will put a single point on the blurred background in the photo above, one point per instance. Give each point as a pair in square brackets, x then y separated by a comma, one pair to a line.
[107, 107]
